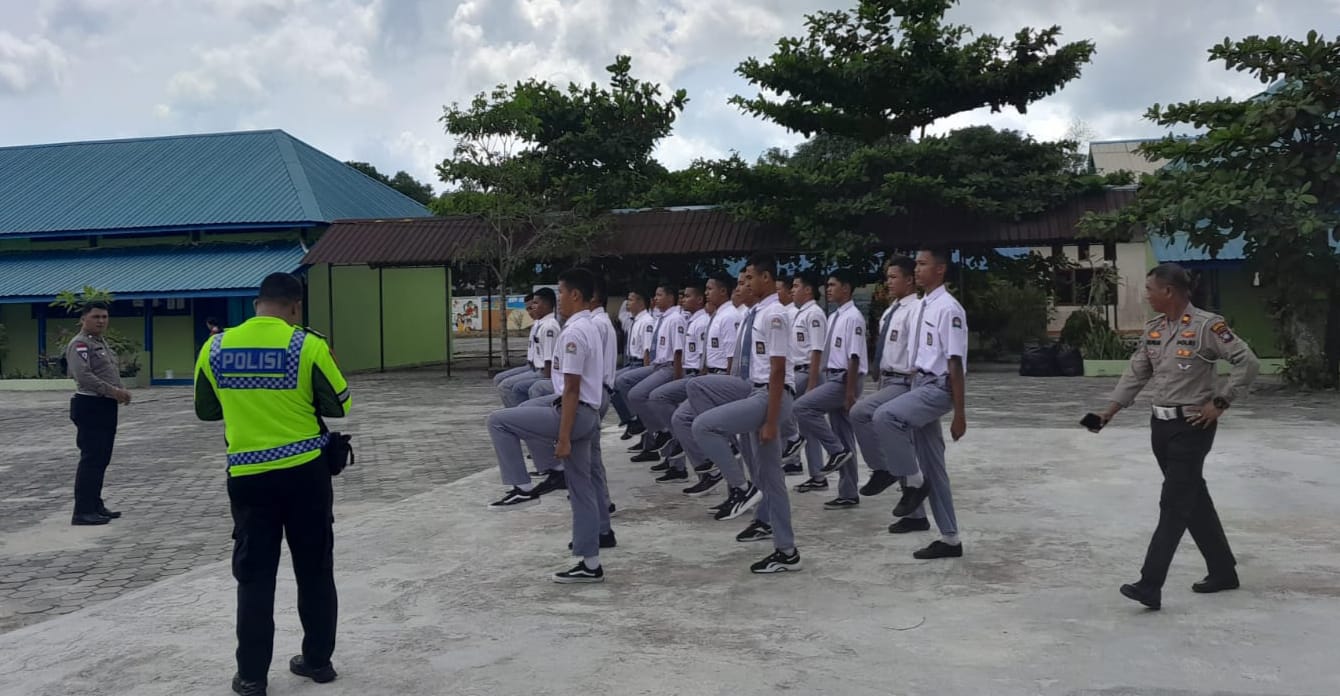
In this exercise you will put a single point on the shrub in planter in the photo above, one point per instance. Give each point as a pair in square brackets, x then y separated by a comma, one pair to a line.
[1008, 317]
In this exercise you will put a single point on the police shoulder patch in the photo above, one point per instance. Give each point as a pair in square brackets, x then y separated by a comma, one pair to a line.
[82, 349]
[1221, 330]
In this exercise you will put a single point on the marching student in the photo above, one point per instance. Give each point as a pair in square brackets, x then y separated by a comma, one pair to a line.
[665, 399]
[639, 341]
[516, 390]
[501, 380]
[667, 365]
[722, 334]
[811, 332]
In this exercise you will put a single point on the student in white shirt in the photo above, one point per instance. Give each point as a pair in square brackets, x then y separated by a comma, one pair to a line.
[507, 379]
[810, 329]
[722, 333]
[545, 335]
[667, 362]
[639, 339]
[891, 368]
[909, 426]
[665, 399]
[844, 368]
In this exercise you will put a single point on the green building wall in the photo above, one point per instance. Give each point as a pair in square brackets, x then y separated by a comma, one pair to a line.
[403, 309]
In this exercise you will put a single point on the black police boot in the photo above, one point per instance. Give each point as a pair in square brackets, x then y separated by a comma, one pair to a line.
[320, 675]
[89, 518]
[247, 688]
[1216, 583]
[102, 510]
[1147, 596]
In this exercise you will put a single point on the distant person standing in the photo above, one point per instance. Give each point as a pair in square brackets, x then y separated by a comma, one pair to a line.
[1177, 359]
[271, 381]
[94, 367]
[214, 325]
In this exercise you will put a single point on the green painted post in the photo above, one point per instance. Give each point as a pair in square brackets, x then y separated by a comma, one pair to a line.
[451, 331]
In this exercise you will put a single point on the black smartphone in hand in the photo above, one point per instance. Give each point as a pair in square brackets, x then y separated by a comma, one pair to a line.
[1092, 421]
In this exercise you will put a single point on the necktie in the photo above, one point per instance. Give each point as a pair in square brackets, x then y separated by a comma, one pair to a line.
[706, 340]
[878, 363]
[745, 350]
[915, 338]
[832, 336]
[655, 336]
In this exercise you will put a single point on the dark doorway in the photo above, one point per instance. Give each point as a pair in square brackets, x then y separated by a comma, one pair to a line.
[206, 307]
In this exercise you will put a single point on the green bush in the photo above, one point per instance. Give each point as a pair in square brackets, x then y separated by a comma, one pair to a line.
[1082, 324]
[1008, 317]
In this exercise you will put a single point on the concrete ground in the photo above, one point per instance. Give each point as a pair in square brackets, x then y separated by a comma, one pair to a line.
[440, 596]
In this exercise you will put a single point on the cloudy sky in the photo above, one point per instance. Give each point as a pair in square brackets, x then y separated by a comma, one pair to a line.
[367, 79]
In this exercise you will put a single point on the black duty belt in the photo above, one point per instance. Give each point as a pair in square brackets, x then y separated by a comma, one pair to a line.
[764, 385]
[893, 373]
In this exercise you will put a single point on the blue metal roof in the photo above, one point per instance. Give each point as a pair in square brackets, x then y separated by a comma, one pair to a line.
[1177, 249]
[211, 270]
[222, 180]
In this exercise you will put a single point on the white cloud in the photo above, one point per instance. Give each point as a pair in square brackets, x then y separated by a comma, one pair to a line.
[29, 64]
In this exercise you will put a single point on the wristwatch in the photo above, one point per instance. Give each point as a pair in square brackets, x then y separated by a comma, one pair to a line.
[1220, 403]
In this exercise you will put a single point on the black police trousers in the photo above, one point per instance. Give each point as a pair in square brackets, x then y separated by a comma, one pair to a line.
[267, 507]
[1185, 503]
[94, 420]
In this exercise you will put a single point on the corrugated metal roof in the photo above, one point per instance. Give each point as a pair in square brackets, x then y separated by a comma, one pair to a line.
[140, 271]
[1122, 155]
[184, 182]
[692, 232]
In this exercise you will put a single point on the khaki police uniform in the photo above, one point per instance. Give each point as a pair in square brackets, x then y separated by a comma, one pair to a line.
[1176, 363]
[268, 382]
[96, 372]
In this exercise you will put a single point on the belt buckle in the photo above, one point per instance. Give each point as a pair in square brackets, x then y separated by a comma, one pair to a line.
[1165, 413]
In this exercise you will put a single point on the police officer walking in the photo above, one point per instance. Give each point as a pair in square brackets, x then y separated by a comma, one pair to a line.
[1177, 360]
[270, 382]
[93, 366]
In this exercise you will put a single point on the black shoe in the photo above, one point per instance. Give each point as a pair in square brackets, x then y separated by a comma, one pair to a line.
[793, 448]
[837, 461]
[704, 468]
[778, 562]
[673, 475]
[939, 549]
[842, 504]
[649, 455]
[911, 500]
[247, 688]
[793, 469]
[672, 450]
[607, 541]
[636, 448]
[878, 483]
[1213, 583]
[634, 429]
[87, 519]
[580, 574]
[626, 434]
[660, 440]
[910, 524]
[102, 510]
[1150, 598]
[705, 484]
[555, 481]
[812, 485]
[515, 499]
[320, 675]
[613, 510]
[756, 531]
[740, 502]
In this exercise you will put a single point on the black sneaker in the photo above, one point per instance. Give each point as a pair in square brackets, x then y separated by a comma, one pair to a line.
[842, 504]
[613, 510]
[636, 448]
[740, 502]
[607, 541]
[634, 429]
[673, 475]
[756, 531]
[649, 455]
[911, 500]
[778, 562]
[939, 549]
[672, 449]
[663, 465]
[793, 469]
[320, 675]
[705, 467]
[836, 461]
[659, 440]
[910, 524]
[515, 498]
[878, 483]
[705, 484]
[812, 485]
[580, 574]
[555, 481]
[793, 448]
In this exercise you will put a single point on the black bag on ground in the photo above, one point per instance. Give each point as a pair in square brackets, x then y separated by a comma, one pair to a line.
[1069, 362]
[1039, 361]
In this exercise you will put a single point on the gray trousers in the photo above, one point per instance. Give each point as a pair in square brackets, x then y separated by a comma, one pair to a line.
[744, 418]
[624, 380]
[516, 390]
[704, 394]
[598, 474]
[790, 430]
[813, 412]
[541, 387]
[505, 374]
[539, 428]
[639, 397]
[862, 422]
[909, 430]
[665, 401]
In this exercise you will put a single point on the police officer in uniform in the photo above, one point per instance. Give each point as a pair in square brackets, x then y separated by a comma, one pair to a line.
[269, 382]
[93, 366]
[1177, 360]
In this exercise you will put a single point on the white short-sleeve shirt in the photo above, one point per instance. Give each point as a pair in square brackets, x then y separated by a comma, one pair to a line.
[546, 339]
[581, 352]
[695, 344]
[610, 342]
[811, 330]
[847, 338]
[532, 344]
[898, 343]
[771, 339]
[721, 337]
[671, 336]
[639, 338]
[943, 333]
